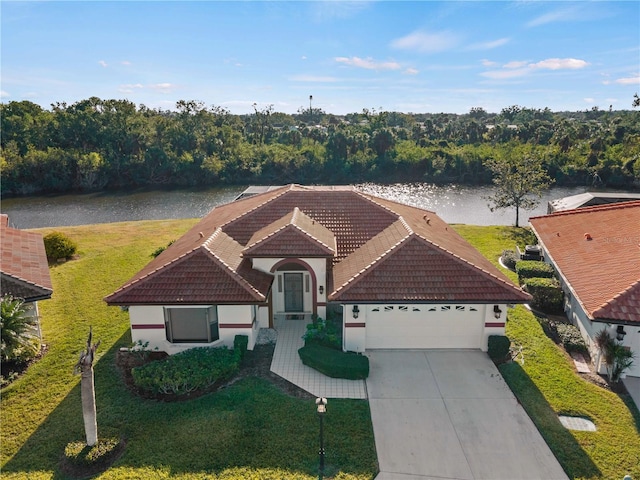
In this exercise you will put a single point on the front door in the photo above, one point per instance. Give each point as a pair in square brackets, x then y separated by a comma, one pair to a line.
[293, 293]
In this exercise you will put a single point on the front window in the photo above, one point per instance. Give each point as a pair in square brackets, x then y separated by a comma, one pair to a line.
[191, 324]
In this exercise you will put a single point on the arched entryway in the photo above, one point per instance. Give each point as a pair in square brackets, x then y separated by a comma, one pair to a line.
[293, 294]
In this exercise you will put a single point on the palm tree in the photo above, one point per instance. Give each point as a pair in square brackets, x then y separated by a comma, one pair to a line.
[19, 330]
[84, 367]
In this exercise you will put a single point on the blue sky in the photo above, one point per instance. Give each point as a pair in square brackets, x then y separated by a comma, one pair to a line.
[391, 55]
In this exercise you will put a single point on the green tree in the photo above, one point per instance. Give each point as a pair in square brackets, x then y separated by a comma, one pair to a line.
[19, 331]
[517, 179]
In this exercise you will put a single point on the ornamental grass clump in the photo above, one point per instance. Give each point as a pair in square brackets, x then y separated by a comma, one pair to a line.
[187, 371]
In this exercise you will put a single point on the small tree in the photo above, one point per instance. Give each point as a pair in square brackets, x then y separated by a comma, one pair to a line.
[517, 180]
[57, 245]
[616, 357]
[84, 367]
[19, 331]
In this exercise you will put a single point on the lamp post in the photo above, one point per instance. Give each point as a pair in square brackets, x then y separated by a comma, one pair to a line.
[321, 402]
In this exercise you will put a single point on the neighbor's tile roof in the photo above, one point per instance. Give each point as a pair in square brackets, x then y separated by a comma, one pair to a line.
[295, 232]
[597, 250]
[23, 264]
[379, 247]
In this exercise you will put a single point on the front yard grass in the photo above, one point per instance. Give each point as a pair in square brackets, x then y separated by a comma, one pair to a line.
[546, 384]
[248, 430]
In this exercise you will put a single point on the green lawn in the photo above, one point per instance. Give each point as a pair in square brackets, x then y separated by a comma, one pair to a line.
[249, 430]
[546, 385]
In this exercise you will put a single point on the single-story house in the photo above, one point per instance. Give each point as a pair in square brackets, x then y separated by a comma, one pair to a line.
[596, 253]
[24, 271]
[399, 276]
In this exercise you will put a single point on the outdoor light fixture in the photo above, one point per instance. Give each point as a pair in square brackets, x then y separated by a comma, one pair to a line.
[496, 311]
[620, 333]
[321, 289]
[355, 311]
[321, 402]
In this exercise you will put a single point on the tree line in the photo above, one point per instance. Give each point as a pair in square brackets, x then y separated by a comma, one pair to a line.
[97, 144]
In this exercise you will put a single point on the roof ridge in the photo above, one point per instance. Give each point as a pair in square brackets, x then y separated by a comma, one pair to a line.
[234, 274]
[594, 208]
[379, 258]
[304, 232]
[369, 198]
[285, 190]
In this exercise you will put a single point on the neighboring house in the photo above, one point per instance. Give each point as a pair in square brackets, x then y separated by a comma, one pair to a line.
[399, 275]
[590, 199]
[596, 253]
[24, 271]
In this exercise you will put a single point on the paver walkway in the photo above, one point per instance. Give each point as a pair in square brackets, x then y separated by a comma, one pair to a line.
[286, 363]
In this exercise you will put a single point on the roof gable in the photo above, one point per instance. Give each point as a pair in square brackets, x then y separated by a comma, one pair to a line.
[416, 271]
[295, 234]
[597, 251]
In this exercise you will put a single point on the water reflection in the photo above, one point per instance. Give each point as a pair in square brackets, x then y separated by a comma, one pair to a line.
[454, 203]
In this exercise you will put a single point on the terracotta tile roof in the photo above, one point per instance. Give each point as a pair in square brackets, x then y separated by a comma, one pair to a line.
[295, 234]
[373, 240]
[597, 250]
[23, 263]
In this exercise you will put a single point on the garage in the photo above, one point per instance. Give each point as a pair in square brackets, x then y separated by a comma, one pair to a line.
[424, 326]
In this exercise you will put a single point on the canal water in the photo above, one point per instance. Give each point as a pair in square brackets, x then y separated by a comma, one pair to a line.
[453, 203]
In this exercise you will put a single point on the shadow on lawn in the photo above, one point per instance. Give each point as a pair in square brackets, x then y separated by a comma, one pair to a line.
[573, 459]
[249, 424]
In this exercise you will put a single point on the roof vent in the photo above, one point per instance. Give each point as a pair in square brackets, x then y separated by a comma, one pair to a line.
[427, 219]
[201, 235]
[588, 236]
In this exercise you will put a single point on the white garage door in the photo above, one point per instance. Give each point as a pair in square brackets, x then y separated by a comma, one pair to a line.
[424, 326]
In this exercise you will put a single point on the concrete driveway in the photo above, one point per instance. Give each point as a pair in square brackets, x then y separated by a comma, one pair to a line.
[442, 414]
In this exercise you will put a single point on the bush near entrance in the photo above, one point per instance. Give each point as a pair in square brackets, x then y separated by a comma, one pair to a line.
[335, 363]
[498, 347]
[547, 294]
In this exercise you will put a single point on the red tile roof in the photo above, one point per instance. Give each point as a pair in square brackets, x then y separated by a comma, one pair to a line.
[382, 251]
[293, 232]
[23, 264]
[597, 251]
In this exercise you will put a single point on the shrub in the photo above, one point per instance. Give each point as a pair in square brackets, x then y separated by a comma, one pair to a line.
[59, 246]
[571, 338]
[509, 259]
[616, 357]
[498, 347]
[322, 332]
[80, 454]
[547, 294]
[184, 372]
[18, 330]
[159, 250]
[533, 269]
[240, 345]
[335, 363]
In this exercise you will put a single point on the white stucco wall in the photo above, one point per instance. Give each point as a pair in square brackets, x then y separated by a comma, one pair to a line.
[421, 326]
[148, 325]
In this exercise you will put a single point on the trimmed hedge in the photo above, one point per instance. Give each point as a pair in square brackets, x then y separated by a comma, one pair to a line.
[533, 269]
[547, 294]
[335, 363]
[58, 246]
[240, 345]
[184, 372]
[498, 347]
[571, 338]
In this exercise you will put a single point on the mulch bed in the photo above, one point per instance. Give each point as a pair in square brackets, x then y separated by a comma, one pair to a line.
[257, 363]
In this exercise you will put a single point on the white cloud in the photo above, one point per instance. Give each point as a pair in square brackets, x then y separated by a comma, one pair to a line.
[555, 16]
[126, 63]
[514, 64]
[589, 100]
[489, 63]
[629, 80]
[489, 45]
[130, 87]
[518, 68]
[304, 57]
[4, 94]
[103, 63]
[368, 63]
[163, 87]
[426, 42]
[313, 78]
[560, 64]
[411, 71]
